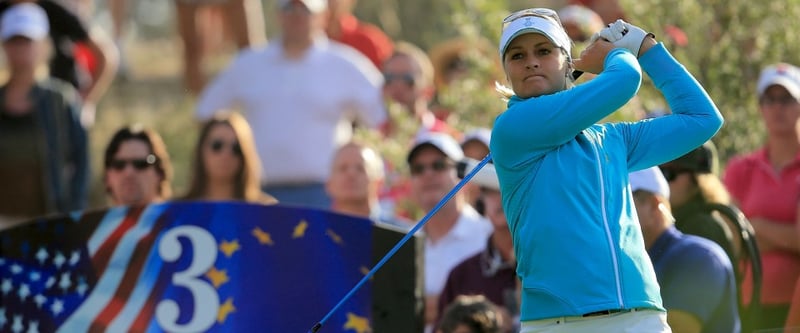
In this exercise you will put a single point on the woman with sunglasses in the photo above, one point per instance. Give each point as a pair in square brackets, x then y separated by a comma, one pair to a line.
[580, 253]
[764, 183]
[226, 165]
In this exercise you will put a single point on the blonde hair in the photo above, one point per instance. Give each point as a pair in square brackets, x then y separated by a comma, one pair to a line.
[711, 189]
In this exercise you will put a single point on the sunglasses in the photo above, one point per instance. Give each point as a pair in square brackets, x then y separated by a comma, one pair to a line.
[407, 78]
[670, 174]
[217, 146]
[138, 164]
[437, 166]
[538, 12]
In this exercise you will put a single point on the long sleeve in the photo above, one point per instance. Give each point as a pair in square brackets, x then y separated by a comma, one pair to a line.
[532, 127]
[694, 119]
[79, 182]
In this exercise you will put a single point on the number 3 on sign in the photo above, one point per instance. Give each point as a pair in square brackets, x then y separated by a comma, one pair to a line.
[205, 298]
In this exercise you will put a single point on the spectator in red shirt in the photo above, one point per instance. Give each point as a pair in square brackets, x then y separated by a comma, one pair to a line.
[345, 28]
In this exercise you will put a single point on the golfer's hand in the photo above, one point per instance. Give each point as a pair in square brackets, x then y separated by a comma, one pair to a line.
[625, 35]
[593, 57]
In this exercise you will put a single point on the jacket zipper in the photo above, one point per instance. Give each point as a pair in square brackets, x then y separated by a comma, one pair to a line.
[605, 224]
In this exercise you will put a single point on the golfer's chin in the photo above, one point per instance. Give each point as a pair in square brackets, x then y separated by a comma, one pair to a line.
[535, 87]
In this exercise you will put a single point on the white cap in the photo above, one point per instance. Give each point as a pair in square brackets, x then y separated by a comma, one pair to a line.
[24, 19]
[650, 180]
[782, 74]
[314, 6]
[482, 135]
[548, 27]
[443, 142]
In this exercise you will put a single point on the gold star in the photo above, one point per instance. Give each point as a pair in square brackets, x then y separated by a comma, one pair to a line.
[356, 323]
[334, 237]
[228, 248]
[217, 277]
[264, 238]
[300, 229]
[225, 310]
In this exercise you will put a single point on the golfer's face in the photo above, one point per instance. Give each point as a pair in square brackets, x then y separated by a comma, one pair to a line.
[432, 176]
[534, 66]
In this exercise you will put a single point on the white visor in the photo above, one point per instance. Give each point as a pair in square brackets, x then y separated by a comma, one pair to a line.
[535, 24]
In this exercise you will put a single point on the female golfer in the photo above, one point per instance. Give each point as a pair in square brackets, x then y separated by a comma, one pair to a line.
[564, 179]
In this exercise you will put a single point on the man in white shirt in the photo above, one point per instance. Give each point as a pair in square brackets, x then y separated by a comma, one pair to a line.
[301, 94]
[456, 231]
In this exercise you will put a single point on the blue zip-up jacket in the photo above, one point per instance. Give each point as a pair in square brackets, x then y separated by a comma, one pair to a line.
[564, 181]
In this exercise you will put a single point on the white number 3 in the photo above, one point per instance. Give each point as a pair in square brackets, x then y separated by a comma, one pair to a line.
[206, 300]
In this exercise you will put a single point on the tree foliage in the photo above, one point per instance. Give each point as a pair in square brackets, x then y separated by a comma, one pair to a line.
[729, 42]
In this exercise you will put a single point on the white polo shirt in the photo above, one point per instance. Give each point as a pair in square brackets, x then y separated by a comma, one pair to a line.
[466, 238]
[301, 110]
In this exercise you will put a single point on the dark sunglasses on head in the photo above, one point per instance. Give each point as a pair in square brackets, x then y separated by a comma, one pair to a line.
[671, 173]
[138, 164]
[405, 77]
[218, 145]
[438, 166]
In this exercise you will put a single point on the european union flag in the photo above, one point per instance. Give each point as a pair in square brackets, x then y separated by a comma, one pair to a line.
[191, 267]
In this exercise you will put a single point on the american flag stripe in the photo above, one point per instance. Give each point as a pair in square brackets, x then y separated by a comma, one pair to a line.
[134, 270]
[139, 296]
[144, 319]
[101, 258]
[110, 280]
[111, 220]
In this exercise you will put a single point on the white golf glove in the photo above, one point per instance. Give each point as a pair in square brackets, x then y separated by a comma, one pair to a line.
[625, 35]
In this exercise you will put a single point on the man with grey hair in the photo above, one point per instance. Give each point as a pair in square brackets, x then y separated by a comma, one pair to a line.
[355, 181]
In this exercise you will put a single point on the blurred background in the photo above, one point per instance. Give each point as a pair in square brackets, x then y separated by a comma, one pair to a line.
[723, 42]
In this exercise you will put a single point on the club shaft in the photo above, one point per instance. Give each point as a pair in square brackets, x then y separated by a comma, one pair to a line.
[402, 242]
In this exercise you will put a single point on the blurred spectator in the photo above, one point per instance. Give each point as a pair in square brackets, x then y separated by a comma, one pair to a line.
[79, 57]
[345, 28]
[226, 164]
[453, 61]
[300, 94]
[357, 175]
[696, 277]
[580, 22]
[475, 146]
[137, 170]
[471, 314]
[491, 272]
[408, 81]
[693, 184]
[243, 17]
[456, 232]
[43, 146]
[764, 185]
